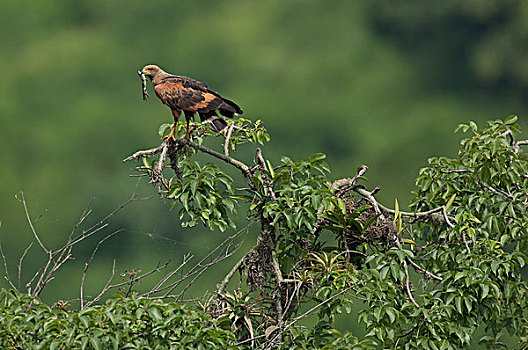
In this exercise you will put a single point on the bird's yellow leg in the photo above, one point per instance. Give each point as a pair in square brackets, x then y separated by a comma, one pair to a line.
[171, 135]
[176, 115]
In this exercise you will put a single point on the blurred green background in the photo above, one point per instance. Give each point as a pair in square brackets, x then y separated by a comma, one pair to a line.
[367, 82]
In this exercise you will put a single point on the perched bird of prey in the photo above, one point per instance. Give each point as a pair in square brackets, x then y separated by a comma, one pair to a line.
[180, 93]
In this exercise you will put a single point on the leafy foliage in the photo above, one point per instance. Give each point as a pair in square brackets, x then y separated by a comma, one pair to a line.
[121, 323]
[432, 278]
[465, 241]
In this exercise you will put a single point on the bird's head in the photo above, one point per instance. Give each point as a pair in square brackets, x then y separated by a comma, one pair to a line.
[151, 71]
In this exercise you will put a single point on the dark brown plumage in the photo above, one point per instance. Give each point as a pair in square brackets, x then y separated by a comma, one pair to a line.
[180, 93]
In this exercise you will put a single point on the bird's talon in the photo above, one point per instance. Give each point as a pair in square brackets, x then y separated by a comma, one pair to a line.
[170, 136]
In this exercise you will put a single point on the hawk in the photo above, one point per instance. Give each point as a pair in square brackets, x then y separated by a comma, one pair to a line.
[180, 93]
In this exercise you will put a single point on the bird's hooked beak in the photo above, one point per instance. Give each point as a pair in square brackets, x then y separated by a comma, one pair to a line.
[145, 72]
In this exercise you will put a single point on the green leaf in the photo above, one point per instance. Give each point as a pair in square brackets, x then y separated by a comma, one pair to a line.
[458, 304]
[391, 313]
[450, 201]
[510, 119]
[485, 291]
[316, 157]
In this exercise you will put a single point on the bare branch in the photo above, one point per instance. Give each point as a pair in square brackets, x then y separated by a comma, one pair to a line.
[101, 224]
[228, 138]
[105, 288]
[238, 164]
[228, 252]
[288, 304]
[87, 264]
[425, 214]
[158, 288]
[148, 152]
[456, 171]
[23, 200]
[296, 319]
[5, 268]
[135, 279]
[20, 262]
[465, 242]
[198, 269]
[346, 184]
[408, 284]
[424, 271]
[494, 190]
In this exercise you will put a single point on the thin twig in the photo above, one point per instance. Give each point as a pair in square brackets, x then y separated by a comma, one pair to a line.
[408, 284]
[494, 190]
[23, 200]
[456, 171]
[20, 262]
[296, 319]
[344, 185]
[147, 152]
[424, 271]
[5, 268]
[102, 223]
[228, 252]
[87, 265]
[159, 286]
[199, 268]
[135, 279]
[465, 242]
[288, 304]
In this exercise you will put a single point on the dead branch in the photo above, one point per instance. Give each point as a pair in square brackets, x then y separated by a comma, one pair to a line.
[465, 242]
[20, 262]
[220, 253]
[28, 218]
[147, 152]
[87, 264]
[408, 284]
[273, 340]
[57, 258]
[346, 184]
[228, 138]
[236, 163]
[130, 281]
[424, 271]
[457, 171]
[158, 287]
[5, 268]
[198, 272]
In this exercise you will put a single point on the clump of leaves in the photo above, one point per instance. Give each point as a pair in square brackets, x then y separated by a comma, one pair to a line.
[121, 323]
[204, 194]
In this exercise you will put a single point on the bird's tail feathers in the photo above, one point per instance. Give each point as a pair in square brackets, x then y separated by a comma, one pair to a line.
[217, 123]
[229, 109]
